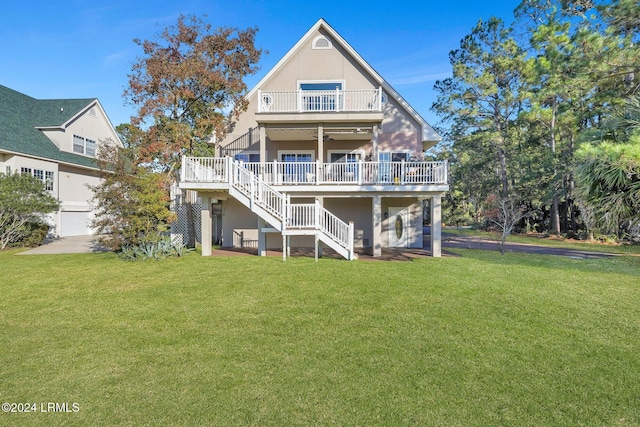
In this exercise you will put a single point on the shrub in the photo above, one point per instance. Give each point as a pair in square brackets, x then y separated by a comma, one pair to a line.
[23, 201]
[34, 232]
[153, 247]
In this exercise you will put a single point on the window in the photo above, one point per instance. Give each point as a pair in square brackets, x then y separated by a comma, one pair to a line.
[46, 177]
[90, 147]
[390, 169]
[321, 96]
[321, 42]
[393, 156]
[78, 144]
[293, 171]
[37, 173]
[84, 146]
[340, 157]
[48, 181]
[347, 168]
[248, 157]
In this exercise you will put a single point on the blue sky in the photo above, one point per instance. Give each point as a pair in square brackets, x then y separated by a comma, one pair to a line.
[84, 49]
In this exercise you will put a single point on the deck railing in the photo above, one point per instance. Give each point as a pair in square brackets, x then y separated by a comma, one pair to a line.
[357, 173]
[216, 170]
[205, 169]
[305, 101]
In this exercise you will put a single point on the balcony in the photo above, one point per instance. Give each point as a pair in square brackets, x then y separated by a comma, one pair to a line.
[198, 172]
[320, 101]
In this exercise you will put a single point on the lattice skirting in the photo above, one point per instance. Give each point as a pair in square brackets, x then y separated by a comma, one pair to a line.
[180, 228]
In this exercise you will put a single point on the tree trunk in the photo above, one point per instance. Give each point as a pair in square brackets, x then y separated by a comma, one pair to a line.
[502, 160]
[555, 211]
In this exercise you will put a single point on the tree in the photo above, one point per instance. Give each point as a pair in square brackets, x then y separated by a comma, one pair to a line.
[608, 173]
[482, 97]
[132, 201]
[505, 213]
[23, 200]
[609, 182]
[189, 87]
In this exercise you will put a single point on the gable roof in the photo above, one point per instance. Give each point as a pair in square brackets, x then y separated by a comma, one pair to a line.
[429, 136]
[22, 117]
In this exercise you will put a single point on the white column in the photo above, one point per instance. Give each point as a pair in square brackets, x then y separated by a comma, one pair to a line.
[436, 226]
[320, 154]
[206, 226]
[374, 142]
[319, 245]
[263, 143]
[262, 238]
[376, 217]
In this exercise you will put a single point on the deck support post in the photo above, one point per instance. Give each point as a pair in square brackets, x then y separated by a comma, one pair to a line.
[262, 237]
[206, 225]
[284, 247]
[436, 226]
[376, 209]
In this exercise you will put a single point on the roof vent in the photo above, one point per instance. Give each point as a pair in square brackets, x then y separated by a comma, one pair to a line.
[62, 109]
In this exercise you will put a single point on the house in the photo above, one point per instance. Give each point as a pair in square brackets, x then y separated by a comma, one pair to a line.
[327, 154]
[56, 140]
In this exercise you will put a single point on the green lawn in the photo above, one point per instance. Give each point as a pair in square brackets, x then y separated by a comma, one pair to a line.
[477, 340]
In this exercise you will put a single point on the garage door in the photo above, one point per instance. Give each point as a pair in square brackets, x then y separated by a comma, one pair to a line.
[74, 224]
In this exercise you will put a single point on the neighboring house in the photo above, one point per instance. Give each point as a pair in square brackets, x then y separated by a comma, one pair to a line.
[328, 153]
[56, 141]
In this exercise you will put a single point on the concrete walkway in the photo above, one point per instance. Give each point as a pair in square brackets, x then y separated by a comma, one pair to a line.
[67, 245]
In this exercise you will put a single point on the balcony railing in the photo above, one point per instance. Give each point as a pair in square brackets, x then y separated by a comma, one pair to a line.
[312, 101]
[215, 170]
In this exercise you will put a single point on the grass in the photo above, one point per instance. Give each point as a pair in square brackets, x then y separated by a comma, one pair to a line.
[476, 340]
[550, 241]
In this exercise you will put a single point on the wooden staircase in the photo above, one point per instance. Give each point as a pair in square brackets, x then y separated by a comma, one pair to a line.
[288, 218]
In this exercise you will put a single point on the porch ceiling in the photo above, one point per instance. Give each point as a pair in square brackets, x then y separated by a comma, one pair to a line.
[342, 133]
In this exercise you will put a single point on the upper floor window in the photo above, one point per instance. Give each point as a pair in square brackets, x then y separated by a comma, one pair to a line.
[84, 146]
[46, 177]
[323, 97]
[321, 42]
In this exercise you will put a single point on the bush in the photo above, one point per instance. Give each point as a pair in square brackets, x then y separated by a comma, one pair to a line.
[23, 203]
[153, 247]
[34, 233]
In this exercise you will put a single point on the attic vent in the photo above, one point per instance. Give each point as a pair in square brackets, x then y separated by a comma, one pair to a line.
[92, 112]
[321, 42]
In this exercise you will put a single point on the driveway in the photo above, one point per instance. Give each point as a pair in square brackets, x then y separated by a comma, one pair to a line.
[67, 245]
[471, 242]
